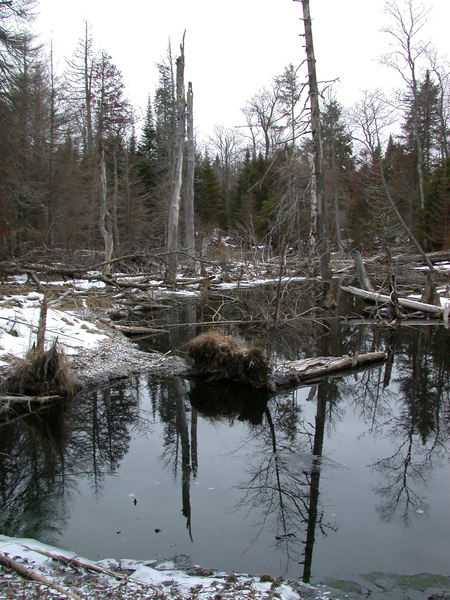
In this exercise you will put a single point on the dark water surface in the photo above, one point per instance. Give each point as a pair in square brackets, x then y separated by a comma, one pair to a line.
[348, 476]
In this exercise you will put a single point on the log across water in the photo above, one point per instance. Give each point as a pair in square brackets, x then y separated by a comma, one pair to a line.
[310, 370]
[404, 302]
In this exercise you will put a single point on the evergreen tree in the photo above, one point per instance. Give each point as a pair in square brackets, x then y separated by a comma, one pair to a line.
[209, 206]
[147, 163]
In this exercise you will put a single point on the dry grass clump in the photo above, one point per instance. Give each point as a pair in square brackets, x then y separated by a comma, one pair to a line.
[222, 357]
[42, 372]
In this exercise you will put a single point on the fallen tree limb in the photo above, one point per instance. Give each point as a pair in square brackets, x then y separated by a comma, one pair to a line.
[309, 370]
[404, 302]
[136, 329]
[37, 399]
[78, 563]
[29, 574]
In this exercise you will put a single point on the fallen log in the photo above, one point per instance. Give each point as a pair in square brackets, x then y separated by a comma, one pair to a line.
[10, 402]
[29, 574]
[404, 302]
[219, 357]
[310, 370]
[136, 329]
[38, 399]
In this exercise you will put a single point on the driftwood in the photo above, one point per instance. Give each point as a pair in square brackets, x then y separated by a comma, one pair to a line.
[404, 302]
[310, 370]
[77, 562]
[29, 574]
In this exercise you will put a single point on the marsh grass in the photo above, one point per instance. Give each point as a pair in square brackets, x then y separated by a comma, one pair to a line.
[221, 357]
[42, 372]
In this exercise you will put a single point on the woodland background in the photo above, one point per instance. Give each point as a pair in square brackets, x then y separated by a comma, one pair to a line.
[253, 182]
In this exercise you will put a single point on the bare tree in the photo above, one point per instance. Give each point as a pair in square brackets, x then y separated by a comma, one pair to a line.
[323, 245]
[407, 50]
[175, 192]
[105, 224]
[261, 114]
[189, 240]
[226, 146]
[370, 115]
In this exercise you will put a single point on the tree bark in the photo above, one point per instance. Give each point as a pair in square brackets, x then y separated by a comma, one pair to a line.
[322, 214]
[105, 220]
[175, 192]
[189, 195]
[363, 280]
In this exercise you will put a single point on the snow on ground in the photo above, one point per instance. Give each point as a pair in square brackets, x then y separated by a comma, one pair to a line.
[255, 283]
[439, 266]
[19, 318]
[445, 301]
[83, 578]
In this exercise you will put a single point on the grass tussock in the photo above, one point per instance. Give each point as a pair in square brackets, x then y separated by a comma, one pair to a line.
[221, 357]
[42, 372]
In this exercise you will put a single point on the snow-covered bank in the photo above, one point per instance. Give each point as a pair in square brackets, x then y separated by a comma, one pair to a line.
[60, 573]
[97, 353]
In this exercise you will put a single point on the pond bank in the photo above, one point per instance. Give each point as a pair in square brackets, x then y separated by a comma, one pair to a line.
[31, 569]
[61, 573]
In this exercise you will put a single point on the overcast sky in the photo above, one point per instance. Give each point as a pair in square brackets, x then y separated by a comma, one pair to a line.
[233, 47]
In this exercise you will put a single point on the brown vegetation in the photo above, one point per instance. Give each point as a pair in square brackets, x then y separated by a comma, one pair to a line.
[42, 372]
[220, 356]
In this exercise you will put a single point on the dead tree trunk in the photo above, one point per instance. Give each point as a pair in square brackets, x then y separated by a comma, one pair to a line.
[104, 223]
[363, 280]
[313, 211]
[322, 211]
[189, 195]
[175, 191]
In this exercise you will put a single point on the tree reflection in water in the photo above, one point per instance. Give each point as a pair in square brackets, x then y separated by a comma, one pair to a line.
[42, 456]
[411, 407]
[417, 412]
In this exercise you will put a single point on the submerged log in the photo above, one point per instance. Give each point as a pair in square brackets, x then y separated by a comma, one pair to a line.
[310, 370]
[404, 302]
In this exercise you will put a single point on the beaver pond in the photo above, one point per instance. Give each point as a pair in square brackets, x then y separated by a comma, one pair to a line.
[351, 475]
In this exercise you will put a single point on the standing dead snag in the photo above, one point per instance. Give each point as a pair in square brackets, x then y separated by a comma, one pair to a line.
[189, 194]
[175, 190]
[105, 218]
[323, 245]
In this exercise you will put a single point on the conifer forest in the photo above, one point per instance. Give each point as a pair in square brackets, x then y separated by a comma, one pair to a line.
[380, 155]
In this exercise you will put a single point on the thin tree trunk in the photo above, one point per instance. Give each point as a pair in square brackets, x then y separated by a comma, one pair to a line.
[105, 219]
[175, 193]
[115, 197]
[313, 211]
[323, 225]
[336, 199]
[189, 195]
[364, 281]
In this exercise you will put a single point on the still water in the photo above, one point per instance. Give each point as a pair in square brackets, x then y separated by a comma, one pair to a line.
[348, 476]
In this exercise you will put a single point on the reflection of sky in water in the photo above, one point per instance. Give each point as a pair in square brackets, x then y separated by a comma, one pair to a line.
[226, 533]
[232, 531]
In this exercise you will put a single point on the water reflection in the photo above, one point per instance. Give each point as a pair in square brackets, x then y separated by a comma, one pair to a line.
[43, 456]
[403, 406]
